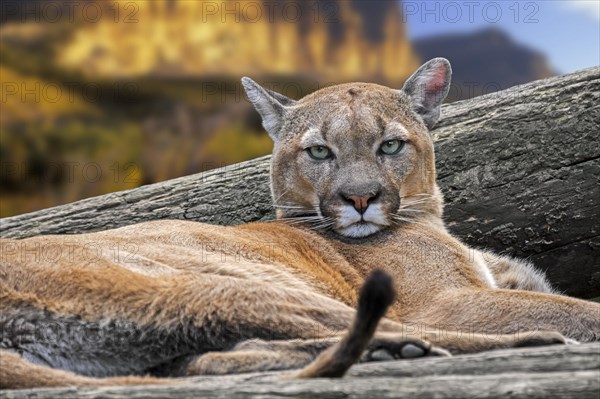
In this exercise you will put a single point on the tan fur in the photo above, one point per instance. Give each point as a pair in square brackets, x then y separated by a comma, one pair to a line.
[295, 283]
[17, 373]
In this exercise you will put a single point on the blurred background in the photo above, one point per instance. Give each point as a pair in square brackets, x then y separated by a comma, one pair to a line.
[100, 96]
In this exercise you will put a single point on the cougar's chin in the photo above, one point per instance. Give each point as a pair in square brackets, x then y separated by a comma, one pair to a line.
[350, 223]
[359, 229]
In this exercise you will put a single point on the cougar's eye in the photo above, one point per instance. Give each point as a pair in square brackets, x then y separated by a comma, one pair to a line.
[391, 147]
[319, 152]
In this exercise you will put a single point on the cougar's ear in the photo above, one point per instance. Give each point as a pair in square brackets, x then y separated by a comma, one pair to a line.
[270, 105]
[428, 87]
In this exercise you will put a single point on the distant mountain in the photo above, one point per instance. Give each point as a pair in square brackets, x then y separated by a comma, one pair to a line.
[323, 40]
[485, 61]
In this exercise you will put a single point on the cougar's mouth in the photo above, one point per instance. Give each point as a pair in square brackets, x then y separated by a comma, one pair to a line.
[359, 229]
[351, 223]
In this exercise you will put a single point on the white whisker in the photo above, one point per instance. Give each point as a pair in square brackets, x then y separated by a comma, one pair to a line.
[408, 219]
[409, 203]
[276, 200]
[417, 195]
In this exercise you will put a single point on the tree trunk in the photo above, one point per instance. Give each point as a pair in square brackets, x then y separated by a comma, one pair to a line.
[547, 372]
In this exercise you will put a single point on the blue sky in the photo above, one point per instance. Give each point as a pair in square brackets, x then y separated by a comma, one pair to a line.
[567, 31]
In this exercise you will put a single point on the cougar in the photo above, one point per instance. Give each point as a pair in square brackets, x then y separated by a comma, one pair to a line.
[358, 266]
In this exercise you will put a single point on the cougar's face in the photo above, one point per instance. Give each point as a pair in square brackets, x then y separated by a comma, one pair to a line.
[355, 158]
[357, 154]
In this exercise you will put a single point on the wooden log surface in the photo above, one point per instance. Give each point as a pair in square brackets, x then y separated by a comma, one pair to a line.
[544, 372]
[520, 171]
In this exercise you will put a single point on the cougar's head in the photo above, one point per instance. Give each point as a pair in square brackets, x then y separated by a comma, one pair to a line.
[355, 158]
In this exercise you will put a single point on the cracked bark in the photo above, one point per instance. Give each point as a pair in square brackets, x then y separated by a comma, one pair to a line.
[545, 372]
[520, 170]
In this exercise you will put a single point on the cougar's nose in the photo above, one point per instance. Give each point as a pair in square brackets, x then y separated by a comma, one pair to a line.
[360, 202]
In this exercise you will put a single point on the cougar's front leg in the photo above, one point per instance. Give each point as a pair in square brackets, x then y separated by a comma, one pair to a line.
[496, 312]
[463, 342]
[258, 355]
[326, 356]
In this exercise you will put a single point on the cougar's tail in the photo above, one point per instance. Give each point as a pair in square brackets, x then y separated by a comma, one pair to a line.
[376, 295]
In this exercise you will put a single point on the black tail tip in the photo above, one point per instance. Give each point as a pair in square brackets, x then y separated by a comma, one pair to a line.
[377, 292]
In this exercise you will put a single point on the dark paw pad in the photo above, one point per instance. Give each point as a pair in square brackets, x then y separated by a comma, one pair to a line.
[384, 351]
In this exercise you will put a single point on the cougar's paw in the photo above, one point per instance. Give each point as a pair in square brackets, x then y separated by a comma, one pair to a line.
[541, 338]
[383, 350]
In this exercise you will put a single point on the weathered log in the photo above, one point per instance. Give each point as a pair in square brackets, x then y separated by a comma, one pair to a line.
[558, 371]
[520, 170]
[526, 360]
[575, 385]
